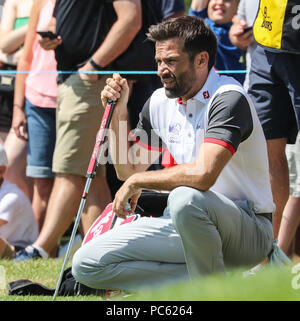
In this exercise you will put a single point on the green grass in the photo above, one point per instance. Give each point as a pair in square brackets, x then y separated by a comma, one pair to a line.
[269, 284]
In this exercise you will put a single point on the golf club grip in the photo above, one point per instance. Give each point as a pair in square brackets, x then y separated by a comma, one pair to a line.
[108, 112]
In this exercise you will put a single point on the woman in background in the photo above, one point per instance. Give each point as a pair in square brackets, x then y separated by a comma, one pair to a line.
[37, 91]
[13, 28]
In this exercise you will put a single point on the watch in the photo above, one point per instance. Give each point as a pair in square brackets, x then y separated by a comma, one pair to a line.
[95, 65]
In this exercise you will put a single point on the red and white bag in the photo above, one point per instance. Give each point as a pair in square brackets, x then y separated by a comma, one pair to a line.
[151, 203]
[105, 222]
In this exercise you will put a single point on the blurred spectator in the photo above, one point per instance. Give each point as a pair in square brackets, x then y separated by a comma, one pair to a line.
[275, 89]
[218, 15]
[18, 227]
[79, 109]
[166, 9]
[1, 8]
[291, 214]
[13, 29]
[240, 34]
[38, 92]
[142, 90]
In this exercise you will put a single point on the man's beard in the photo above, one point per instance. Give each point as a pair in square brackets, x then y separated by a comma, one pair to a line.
[182, 84]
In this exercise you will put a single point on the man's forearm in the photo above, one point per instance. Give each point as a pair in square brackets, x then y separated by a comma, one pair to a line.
[11, 59]
[118, 136]
[170, 178]
[118, 39]
[13, 40]
[128, 156]
[201, 174]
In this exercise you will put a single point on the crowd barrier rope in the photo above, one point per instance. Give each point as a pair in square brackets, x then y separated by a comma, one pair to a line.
[109, 72]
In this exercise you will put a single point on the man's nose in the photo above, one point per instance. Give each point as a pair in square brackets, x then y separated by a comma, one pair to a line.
[162, 69]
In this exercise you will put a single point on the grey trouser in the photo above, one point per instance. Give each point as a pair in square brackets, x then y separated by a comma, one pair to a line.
[200, 233]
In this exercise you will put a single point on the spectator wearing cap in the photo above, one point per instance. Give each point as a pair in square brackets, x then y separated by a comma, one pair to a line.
[218, 15]
[18, 226]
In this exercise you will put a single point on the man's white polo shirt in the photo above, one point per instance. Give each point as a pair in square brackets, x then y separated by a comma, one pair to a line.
[220, 113]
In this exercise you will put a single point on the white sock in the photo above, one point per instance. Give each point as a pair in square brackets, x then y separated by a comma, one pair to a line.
[42, 252]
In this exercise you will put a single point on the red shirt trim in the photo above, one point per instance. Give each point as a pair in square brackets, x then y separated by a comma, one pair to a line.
[146, 146]
[220, 142]
[167, 159]
[179, 100]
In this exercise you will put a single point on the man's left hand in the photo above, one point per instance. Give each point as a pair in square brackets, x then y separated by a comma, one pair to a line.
[126, 192]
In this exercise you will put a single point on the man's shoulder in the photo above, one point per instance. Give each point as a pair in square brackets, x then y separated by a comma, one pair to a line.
[156, 107]
[159, 93]
[227, 92]
[158, 98]
[218, 84]
[227, 83]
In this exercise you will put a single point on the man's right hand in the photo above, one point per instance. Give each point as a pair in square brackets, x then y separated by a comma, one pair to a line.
[237, 36]
[116, 89]
[47, 43]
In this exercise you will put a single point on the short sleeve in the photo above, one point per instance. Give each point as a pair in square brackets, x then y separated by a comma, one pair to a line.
[200, 14]
[229, 121]
[170, 7]
[144, 134]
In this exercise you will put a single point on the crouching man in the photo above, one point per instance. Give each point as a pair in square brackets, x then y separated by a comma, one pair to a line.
[220, 205]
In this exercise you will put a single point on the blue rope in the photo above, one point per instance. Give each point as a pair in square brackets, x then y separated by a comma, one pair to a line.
[109, 72]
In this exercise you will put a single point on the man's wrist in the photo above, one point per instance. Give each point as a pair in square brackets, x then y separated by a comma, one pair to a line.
[121, 116]
[95, 65]
[133, 182]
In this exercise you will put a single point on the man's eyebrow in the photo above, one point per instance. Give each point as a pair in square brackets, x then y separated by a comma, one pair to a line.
[168, 57]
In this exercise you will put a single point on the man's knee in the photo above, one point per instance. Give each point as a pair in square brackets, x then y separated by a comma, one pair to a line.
[81, 270]
[89, 270]
[182, 202]
[76, 267]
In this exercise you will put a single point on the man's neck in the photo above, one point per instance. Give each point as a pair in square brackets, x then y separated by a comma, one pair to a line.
[199, 83]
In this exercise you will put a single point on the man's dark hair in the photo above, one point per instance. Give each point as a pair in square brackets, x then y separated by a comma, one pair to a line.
[196, 34]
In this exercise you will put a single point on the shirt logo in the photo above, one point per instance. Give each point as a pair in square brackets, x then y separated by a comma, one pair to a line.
[174, 131]
[267, 24]
[206, 94]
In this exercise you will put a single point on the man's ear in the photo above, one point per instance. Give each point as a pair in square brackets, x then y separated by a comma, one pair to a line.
[201, 60]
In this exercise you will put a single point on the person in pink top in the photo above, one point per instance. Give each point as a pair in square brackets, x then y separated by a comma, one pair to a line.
[13, 29]
[37, 91]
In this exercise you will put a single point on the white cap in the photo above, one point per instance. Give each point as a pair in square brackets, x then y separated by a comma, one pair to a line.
[3, 156]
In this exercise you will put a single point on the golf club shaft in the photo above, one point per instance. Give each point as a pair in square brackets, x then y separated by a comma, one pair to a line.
[91, 172]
